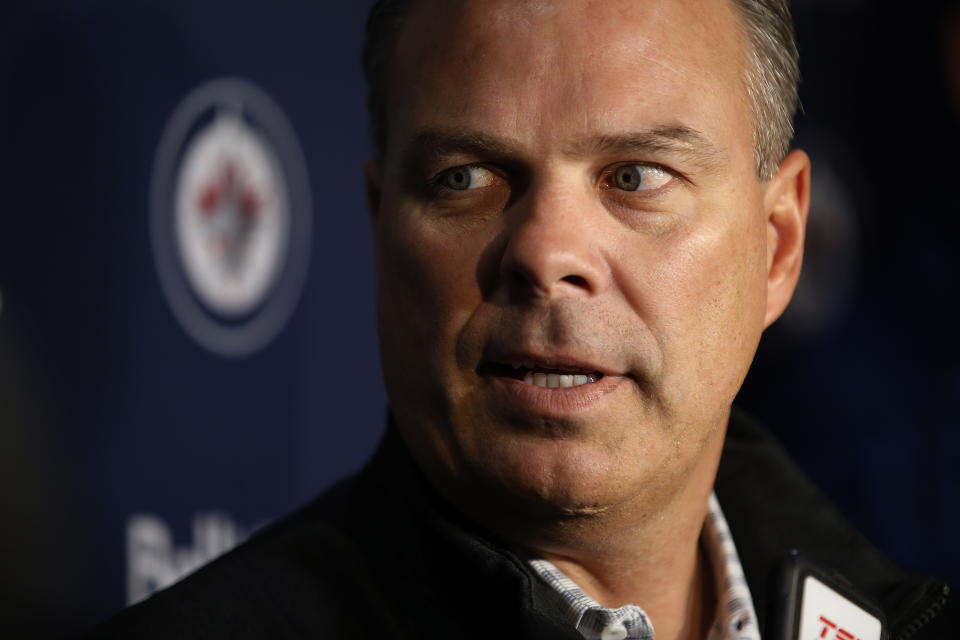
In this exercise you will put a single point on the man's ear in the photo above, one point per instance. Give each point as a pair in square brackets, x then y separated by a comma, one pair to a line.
[786, 202]
[374, 180]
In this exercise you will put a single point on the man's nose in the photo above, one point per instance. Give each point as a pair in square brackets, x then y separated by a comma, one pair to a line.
[555, 245]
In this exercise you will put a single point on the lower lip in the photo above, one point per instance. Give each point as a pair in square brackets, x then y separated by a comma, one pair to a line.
[555, 401]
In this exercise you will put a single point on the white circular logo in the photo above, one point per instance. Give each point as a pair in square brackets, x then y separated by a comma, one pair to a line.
[230, 216]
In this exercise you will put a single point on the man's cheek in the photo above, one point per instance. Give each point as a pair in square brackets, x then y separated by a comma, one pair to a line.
[445, 264]
[728, 317]
[427, 280]
[699, 302]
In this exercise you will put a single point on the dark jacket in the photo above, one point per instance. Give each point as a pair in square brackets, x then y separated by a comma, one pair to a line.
[381, 556]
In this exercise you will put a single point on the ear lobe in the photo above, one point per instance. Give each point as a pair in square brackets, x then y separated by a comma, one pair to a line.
[787, 202]
[373, 180]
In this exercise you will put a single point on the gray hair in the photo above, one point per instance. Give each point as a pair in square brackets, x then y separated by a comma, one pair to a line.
[771, 77]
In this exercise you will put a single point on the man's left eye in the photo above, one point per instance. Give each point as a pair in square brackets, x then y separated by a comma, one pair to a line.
[466, 177]
[638, 177]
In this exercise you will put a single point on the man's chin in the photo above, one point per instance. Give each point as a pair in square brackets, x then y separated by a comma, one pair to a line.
[553, 477]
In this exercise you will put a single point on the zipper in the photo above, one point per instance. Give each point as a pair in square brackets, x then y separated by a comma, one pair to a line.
[928, 614]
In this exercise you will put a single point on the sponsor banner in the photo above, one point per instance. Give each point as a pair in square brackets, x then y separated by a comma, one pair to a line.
[154, 562]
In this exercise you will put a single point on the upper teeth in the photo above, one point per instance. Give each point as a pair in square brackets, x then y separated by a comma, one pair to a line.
[553, 380]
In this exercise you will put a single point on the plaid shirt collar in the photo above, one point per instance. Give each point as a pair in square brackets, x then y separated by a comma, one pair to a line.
[735, 618]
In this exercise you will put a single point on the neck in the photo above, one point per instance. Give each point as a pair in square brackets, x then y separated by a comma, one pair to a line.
[635, 554]
[660, 567]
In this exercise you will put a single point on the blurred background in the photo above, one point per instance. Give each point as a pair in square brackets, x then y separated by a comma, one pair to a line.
[187, 340]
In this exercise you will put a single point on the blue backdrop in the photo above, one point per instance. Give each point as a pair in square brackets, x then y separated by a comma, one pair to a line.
[135, 445]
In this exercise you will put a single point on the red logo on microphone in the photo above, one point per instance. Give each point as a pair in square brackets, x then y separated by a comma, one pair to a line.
[838, 633]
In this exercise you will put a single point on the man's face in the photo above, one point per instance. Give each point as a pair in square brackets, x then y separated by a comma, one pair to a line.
[568, 197]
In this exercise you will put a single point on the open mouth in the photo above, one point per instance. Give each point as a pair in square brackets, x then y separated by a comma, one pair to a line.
[540, 376]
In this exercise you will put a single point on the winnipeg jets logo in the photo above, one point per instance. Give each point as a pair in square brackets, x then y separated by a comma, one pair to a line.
[230, 217]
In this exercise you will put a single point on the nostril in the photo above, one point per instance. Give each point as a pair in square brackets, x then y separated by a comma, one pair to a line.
[577, 281]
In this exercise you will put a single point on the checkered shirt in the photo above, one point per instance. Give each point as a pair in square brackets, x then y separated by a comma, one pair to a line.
[735, 618]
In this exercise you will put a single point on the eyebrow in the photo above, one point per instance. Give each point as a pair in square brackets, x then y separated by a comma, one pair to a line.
[678, 140]
[436, 143]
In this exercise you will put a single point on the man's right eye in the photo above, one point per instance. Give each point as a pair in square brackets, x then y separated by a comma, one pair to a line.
[465, 177]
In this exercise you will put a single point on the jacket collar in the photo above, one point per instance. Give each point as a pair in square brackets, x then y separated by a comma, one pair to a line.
[771, 507]
[774, 510]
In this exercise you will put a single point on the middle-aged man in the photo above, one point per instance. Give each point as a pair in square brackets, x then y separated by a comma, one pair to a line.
[585, 215]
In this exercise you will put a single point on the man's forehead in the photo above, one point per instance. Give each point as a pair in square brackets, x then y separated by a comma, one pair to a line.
[474, 21]
[588, 67]
[676, 141]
